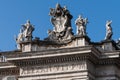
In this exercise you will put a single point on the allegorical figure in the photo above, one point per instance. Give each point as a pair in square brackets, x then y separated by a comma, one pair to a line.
[27, 31]
[25, 34]
[109, 32]
[81, 25]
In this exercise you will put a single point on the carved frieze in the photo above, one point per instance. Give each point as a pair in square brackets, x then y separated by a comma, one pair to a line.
[51, 69]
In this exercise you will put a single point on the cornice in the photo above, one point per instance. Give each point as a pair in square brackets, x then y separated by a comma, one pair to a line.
[109, 61]
[4, 65]
[62, 55]
[51, 60]
[111, 54]
[59, 56]
[49, 53]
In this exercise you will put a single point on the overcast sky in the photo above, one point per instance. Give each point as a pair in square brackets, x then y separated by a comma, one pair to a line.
[13, 13]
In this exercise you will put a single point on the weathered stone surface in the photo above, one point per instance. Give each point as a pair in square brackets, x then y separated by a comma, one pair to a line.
[109, 32]
[62, 55]
[81, 25]
[25, 34]
[61, 20]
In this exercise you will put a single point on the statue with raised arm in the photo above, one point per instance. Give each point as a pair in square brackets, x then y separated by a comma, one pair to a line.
[28, 28]
[81, 25]
[19, 39]
[61, 20]
[109, 32]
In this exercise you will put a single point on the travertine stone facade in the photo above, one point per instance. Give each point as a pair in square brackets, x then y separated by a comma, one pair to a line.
[77, 63]
[62, 55]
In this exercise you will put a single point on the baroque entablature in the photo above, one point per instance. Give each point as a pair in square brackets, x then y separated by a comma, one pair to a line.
[62, 51]
[62, 36]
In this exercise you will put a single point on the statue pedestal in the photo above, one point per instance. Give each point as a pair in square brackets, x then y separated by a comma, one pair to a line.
[26, 46]
[108, 45]
[82, 40]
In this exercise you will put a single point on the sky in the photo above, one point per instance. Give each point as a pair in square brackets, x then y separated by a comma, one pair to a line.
[14, 13]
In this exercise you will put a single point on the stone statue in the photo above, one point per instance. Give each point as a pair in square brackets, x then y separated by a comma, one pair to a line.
[19, 39]
[61, 20]
[81, 25]
[20, 36]
[25, 34]
[109, 32]
[27, 31]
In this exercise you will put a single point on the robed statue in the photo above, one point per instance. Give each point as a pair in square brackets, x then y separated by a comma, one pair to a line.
[25, 34]
[61, 20]
[28, 28]
[81, 25]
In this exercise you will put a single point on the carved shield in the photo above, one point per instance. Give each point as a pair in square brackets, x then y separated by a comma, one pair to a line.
[59, 23]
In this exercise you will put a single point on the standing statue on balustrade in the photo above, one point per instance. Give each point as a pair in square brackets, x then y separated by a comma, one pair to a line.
[25, 34]
[28, 28]
[109, 32]
[81, 25]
